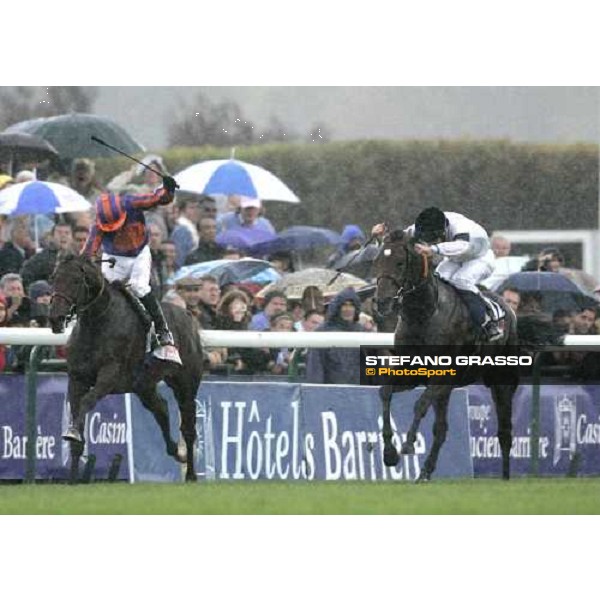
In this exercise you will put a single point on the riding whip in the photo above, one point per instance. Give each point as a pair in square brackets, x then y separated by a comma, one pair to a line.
[103, 143]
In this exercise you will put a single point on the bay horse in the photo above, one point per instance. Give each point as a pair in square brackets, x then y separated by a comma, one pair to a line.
[430, 312]
[106, 354]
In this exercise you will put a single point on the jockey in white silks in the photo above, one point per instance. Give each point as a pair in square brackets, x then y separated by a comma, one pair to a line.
[467, 258]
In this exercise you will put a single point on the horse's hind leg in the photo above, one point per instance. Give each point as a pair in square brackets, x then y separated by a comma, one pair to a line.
[503, 395]
[390, 454]
[440, 429]
[157, 405]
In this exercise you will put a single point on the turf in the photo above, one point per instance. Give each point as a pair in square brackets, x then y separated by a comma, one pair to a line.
[519, 496]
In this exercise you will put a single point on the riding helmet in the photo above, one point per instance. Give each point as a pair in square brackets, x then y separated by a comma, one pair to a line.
[430, 225]
[110, 212]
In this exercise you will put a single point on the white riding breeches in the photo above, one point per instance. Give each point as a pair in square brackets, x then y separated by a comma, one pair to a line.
[135, 270]
[466, 275]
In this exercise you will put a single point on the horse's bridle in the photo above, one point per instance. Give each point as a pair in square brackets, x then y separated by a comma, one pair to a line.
[73, 302]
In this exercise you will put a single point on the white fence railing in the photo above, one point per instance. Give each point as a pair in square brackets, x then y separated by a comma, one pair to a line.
[259, 339]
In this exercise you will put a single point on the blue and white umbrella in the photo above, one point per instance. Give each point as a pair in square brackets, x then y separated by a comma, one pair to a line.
[234, 177]
[39, 198]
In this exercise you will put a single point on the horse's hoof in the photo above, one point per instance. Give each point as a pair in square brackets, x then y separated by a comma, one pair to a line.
[390, 457]
[191, 476]
[407, 448]
[72, 435]
[423, 478]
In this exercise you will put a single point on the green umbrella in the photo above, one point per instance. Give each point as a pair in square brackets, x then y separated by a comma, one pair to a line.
[71, 135]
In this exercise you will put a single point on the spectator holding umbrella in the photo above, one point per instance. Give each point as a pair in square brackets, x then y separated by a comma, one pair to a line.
[248, 216]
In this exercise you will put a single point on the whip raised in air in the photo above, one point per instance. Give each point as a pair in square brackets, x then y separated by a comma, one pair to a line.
[103, 143]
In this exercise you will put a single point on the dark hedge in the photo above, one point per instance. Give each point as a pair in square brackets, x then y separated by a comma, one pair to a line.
[502, 185]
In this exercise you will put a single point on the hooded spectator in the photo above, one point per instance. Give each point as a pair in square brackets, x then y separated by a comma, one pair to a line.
[337, 365]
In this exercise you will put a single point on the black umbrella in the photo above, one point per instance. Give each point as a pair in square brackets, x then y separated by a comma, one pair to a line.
[71, 135]
[554, 290]
[25, 147]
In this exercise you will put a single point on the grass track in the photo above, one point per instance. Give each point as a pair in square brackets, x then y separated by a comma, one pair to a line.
[520, 496]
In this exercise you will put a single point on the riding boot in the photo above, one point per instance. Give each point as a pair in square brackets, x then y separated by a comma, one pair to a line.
[152, 305]
[479, 316]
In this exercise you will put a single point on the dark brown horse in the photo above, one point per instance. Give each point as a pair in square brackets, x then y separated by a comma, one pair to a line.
[430, 312]
[106, 354]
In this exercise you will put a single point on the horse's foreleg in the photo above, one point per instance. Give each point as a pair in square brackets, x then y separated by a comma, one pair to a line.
[440, 430]
[502, 395]
[420, 410]
[390, 454]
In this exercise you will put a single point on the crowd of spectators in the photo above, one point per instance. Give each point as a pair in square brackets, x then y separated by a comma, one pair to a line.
[185, 233]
